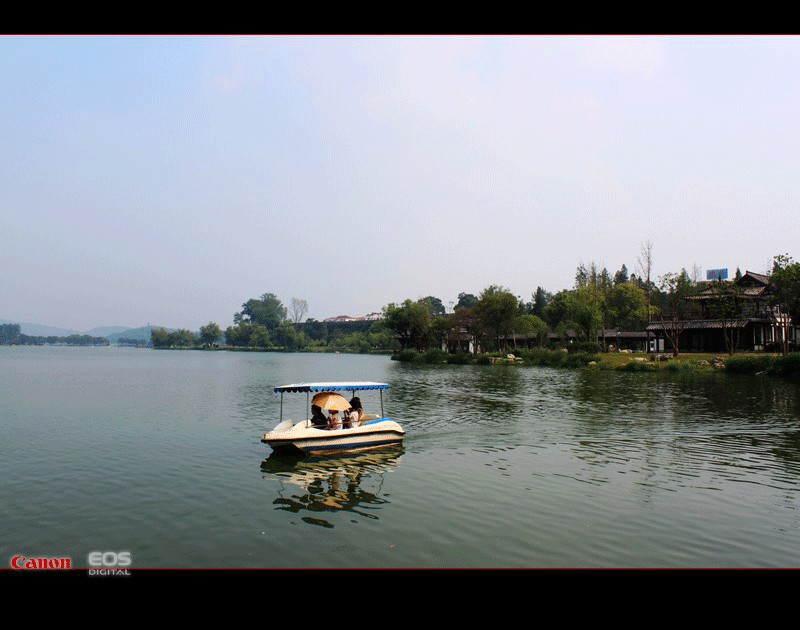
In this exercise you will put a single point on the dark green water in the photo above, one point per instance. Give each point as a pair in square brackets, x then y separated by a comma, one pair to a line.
[158, 453]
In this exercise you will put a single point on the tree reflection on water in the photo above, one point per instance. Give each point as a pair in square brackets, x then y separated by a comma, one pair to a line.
[348, 482]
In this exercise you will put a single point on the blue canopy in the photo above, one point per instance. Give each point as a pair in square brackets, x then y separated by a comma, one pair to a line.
[330, 387]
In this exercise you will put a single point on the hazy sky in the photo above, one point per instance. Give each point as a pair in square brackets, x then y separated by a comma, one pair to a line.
[167, 180]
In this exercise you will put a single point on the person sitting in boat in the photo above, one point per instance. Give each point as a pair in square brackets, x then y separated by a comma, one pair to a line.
[356, 410]
[355, 413]
[334, 421]
[318, 419]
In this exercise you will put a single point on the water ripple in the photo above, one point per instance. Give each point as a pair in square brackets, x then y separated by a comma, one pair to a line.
[159, 453]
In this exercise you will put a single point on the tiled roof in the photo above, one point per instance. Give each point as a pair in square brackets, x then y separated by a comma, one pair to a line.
[758, 276]
[623, 334]
[699, 324]
[710, 293]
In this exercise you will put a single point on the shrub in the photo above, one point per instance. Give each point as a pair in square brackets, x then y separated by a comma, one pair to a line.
[461, 358]
[749, 364]
[577, 360]
[790, 364]
[543, 357]
[638, 366]
[406, 355]
[483, 359]
[680, 366]
[434, 356]
[588, 347]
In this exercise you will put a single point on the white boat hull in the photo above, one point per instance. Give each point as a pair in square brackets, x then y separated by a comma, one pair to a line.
[308, 439]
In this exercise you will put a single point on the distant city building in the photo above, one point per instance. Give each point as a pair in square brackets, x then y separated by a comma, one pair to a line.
[344, 318]
[371, 317]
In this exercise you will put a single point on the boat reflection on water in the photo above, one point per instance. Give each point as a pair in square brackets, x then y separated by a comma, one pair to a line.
[351, 482]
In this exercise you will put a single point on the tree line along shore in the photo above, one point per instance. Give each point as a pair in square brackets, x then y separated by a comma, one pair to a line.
[565, 329]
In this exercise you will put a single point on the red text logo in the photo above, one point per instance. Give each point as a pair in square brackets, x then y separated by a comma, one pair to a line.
[21, 562]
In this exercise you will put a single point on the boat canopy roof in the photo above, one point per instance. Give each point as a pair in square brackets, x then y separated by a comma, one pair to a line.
[348, 386]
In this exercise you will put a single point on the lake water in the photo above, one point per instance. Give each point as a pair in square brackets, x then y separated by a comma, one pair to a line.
[157, 453]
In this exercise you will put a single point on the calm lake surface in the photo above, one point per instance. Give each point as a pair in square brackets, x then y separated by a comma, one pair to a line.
[158, 453]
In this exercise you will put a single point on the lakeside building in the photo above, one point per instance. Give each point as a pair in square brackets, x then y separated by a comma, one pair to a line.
[460, 341]
[737, 309]
[746, 317]
[636, 341]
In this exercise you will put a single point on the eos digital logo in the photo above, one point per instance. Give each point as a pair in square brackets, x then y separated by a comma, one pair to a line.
[109, 562]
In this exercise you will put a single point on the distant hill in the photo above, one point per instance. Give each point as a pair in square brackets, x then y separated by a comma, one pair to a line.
[142, 333]
[38, 330]
[105, 331]
[112, 333]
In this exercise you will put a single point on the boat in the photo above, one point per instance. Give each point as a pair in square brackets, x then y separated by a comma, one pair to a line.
[371, 432]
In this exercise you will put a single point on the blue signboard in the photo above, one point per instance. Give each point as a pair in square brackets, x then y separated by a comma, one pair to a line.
[717, 274]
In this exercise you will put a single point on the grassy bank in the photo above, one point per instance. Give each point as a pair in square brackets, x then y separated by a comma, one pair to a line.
[742, 363]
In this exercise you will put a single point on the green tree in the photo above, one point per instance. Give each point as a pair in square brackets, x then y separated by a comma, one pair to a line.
[675, 288]
[466, 320]
[247, 335]
[233, 335]
[411, 321]
[182, 338]
[587, 306]
[268, 311]
[539, 301]
[381, 338]
[353, 342]
[726, 306]
[440, 330]
[529, 324]
[621, 276]
[316, 330]
[434, 305]
[260, 337]
[585, 309]
[210, 334]
[626, 305]
[496, 309]
[784, 286]
[287, 336]
[557, 309]
[159, 337]
[581, 276]
[466, 300]
[599, 285]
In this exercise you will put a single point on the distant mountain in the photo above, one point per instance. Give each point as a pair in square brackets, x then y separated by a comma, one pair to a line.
[134, 333]
[38, 330]
[105, 331]
[112, 333]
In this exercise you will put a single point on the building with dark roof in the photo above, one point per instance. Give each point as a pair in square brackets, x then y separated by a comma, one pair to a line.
[749, 322]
